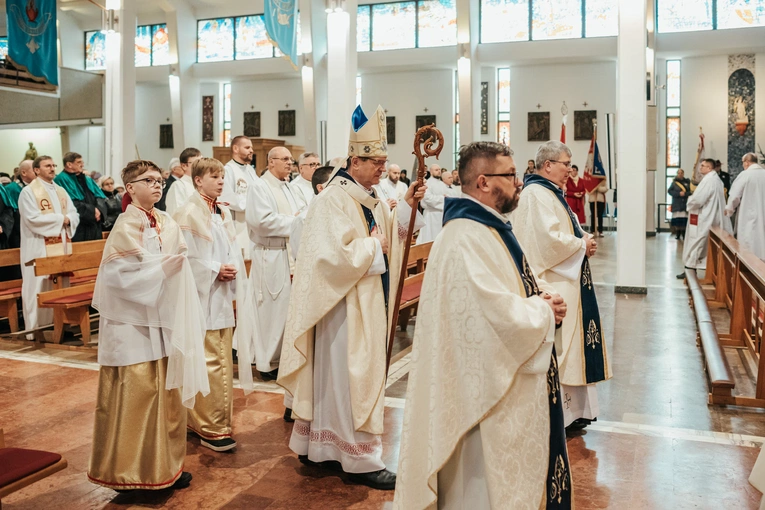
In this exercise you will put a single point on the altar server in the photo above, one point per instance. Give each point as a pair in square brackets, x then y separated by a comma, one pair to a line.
[483, 421]
[558, 251]
[150, 345]
[49, 221]
[183, 188]
[333, 361]
[221, 278]
[747, 196]
[240, 177]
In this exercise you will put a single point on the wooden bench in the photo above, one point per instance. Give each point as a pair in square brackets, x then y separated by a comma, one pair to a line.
[21, 467]
[410, 296]
[78, 267]
[71, 305]
[10, 291]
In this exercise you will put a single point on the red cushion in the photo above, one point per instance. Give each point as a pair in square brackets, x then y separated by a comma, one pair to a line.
[67, 300]
[15, 290]
[17, 463]
[411, 292]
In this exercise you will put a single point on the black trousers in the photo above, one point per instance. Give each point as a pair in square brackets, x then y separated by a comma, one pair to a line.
[601, 210]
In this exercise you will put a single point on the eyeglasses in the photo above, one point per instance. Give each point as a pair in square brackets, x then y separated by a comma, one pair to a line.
[566, 163]
[512, 176]
[283, 160]
[151, 182]
[379, 163]
[311, 165]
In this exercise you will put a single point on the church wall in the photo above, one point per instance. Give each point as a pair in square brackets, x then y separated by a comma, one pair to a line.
[72, 39]
[88, 141]
[152, 109]
[15, 142]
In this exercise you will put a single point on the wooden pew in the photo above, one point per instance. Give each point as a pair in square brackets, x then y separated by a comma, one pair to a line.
[21, 467]
[410, 296]
[77, 265]
[71, 305]
[10, 291]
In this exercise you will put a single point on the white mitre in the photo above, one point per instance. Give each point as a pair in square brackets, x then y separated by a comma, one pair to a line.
[369, 137]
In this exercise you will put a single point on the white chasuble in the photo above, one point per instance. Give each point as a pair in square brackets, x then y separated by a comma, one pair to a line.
[476, 430]
[706, 209]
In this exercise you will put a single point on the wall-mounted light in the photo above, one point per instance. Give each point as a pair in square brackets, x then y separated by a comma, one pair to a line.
[334, 6]
[108, 21]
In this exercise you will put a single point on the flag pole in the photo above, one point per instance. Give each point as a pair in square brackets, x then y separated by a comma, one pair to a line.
[595, 207]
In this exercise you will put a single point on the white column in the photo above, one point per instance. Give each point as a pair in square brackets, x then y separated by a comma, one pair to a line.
[468, 70]
[119, 101]
[313, 45]
[341, 77]
[631, 143]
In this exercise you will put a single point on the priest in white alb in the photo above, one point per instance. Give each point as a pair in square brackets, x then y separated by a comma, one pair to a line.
[308, 162]
[49, 220]
[706, 209]
[240, 176]
[433, 205]
[483, 421]
[559, 251]
[334, 355]
[747, 196]
[182, 190]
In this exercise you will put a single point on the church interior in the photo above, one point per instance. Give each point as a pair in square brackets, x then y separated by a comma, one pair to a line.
[639, 90]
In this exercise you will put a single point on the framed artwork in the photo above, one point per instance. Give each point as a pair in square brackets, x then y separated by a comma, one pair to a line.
[583, 129]
[390, 125]
[286, 122]
[166, 136]
[207, 118]
[252, 124]
[425, 120]
[484, 107]
[539, 127]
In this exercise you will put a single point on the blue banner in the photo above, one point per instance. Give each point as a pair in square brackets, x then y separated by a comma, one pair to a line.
[280, 17]
[32, 37]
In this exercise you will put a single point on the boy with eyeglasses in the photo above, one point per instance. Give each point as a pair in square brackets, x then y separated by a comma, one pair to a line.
[151, 345]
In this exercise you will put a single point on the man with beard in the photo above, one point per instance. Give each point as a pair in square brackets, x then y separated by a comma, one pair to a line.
[558, 250]
[391, 189]
[240, 176]
[484, 319]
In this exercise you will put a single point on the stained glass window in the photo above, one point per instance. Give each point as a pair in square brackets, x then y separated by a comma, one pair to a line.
[436, 23]
[358, 90]
[252, 39]
[740, 13]
[363, 28]
[95, 50]
[394, 26]
[684, 15]
[503, 105]
[3, 48]
[673, 83]
[504, 20]
[143, 46]
[215, 40]
[673, 141]
[160, 45]
[556, 19]
[602, 18]
[226, 114]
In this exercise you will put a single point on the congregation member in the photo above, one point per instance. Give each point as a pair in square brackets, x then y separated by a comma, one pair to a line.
[404, 178]
[318, 183]
[9, 230]
[558, 251]
[575, 192]
[26, 175]
[724, 176]
[706, 209]
[272, 206]
[218, 267]
[530, 165]
[333, 361]
[308, 162]
[86, 195]
[433, 205]
[391, 189]
[184, 188]
[150, 345]
[506, 446]
[597, 200]
[747, 196]
[176, 172]
[456, 183]
[240, 177]
[679, 190]
[49, 221]
[112, 203]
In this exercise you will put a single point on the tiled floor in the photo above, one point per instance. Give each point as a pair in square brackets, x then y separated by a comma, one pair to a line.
[657, 445]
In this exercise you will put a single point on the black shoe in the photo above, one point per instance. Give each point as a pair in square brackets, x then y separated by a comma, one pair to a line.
[382, 480]
[681, 276]
[270, 376]
[577, 425]
[288, 415]
[305, 460]
[219, 445]
[183, 481]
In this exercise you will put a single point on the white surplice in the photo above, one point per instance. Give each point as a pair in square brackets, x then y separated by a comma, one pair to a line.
[239, 179]
[35, 227]
[179, 194]
[705, 208]
[386, 190]
[271, 210]
[747, 196]
[433, 209]
[303, 187]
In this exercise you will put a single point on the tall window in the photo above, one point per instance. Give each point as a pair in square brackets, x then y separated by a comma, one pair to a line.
[358, 90]
[226, 114]
[688, 15]
[152, 46]
[503, 105]
[237, 38]
[673, 126]
[401, 25]
[456, 119]
[3, 48]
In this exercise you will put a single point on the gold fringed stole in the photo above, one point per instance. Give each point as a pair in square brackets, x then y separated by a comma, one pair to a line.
[54, 246]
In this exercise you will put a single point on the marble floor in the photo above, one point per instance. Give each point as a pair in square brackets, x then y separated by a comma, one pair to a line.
[656, 445]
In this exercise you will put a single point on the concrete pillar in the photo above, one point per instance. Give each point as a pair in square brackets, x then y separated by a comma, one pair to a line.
[313, 45]
[631, 143]
[341, 77]
[119, 101]
[468, 70]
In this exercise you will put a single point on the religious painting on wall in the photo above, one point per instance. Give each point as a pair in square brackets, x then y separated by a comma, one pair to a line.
[165, 136]
[286, 122]
[484, 107]
[425, 120]
[583, 128]
[207, 118]
[741, 121]
[539, 127]
[252, 124]
[390, 125]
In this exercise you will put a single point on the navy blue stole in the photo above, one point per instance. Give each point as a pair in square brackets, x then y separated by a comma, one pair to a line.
[558, 470]
[594, 354]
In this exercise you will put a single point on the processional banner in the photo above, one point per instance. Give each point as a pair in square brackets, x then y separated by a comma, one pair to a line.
[32, 37]
[281, 24]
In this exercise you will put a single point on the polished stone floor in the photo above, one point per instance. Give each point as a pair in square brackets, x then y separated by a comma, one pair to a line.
[656, 445]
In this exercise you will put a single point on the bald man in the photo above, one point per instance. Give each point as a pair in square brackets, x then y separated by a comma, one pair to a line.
[240, 177]
[391, 189]
[433, 205]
